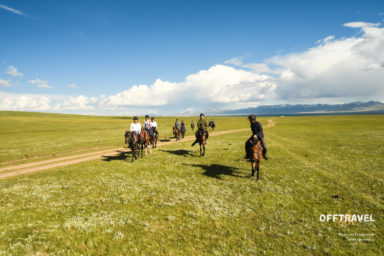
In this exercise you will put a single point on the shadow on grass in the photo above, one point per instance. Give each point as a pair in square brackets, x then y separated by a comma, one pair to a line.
[215, 170]
[179, 152]
[120, 156]
[164, 140]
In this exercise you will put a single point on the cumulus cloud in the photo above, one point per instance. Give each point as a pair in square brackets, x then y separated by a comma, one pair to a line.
[40, 83]
[347, 67]
[216, 86]
[27, 102]
[5, 83]
[14, 72]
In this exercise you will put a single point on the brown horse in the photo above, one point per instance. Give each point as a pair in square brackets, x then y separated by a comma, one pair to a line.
[145, 142]
[201, 138]
[132, 141]
[256, 153]
[176, 132]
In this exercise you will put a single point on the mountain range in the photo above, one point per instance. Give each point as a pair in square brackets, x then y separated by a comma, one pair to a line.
[370, 107]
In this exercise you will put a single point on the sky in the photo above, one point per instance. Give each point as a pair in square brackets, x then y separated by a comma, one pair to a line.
[112, 57]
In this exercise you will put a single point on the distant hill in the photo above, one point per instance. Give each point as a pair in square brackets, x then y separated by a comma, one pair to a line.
[370, 107]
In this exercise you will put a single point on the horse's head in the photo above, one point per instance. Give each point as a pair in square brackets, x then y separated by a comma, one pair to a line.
[129, 137]
[254, 140]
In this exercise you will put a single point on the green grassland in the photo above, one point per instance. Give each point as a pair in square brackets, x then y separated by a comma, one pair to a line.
[26, 136]
[173, 202]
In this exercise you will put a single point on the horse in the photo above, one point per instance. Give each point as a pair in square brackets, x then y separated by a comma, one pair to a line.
[212, 125]
[192, 126]
[201, 138]
[132, 141]
[182, 132]
[145, 142]
[176, 132]
[154, 137]
[256, 153]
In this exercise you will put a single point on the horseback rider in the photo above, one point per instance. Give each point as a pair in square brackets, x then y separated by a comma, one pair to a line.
[257, 132]
[147, 125]
[182, 125]
[192, 125]
[177, 124]
[136, 127]
[201, 126]
[154, 126]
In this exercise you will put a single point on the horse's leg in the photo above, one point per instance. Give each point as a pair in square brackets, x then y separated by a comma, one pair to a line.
[253, 166]
[200, 148]
[203, 149]
[258, 168]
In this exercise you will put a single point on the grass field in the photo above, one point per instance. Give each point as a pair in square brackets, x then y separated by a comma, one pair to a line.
[175, 203]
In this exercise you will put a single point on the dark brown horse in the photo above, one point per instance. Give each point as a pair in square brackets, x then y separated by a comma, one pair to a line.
[212, 124]
[132, 141]
[201, 138]
[154, 137]
[182, 132]
[256, 153]
[176, 132]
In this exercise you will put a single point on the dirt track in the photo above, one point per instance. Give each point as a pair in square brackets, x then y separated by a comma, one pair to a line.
[20, 169]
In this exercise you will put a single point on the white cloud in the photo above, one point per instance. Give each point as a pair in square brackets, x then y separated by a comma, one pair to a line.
[77, 103]
[5, 83]
[219, 85]
[348, 67]
[14, 72]
[12, 10]
[40, 83]
[25, 102]
[360, 24]
[237, 61]
[73, 86]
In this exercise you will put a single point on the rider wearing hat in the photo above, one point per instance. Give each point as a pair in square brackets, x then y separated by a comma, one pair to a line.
[257, 131]
[136, 127]
[201, 126]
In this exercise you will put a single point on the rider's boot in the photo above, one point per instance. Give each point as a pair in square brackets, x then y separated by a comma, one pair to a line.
[265, 157]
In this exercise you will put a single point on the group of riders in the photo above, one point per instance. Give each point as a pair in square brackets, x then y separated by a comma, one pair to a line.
[150, 126]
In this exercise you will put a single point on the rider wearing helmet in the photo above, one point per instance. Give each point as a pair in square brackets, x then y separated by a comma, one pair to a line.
[201, 126]
[154, 125]
[136, 127]
[177, 124]
[257, 131]
[147, 125]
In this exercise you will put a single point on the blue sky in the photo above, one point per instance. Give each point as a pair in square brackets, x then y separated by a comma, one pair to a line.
[105, 48]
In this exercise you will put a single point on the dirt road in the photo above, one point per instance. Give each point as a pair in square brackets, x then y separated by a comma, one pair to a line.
[20, 169]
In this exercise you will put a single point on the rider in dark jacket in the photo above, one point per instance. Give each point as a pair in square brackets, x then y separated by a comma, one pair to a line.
[257, 130]
[201, 126]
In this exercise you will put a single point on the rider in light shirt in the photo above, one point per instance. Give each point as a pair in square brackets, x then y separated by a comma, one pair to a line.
[136, 127]
[154, 124]
[147, 125]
